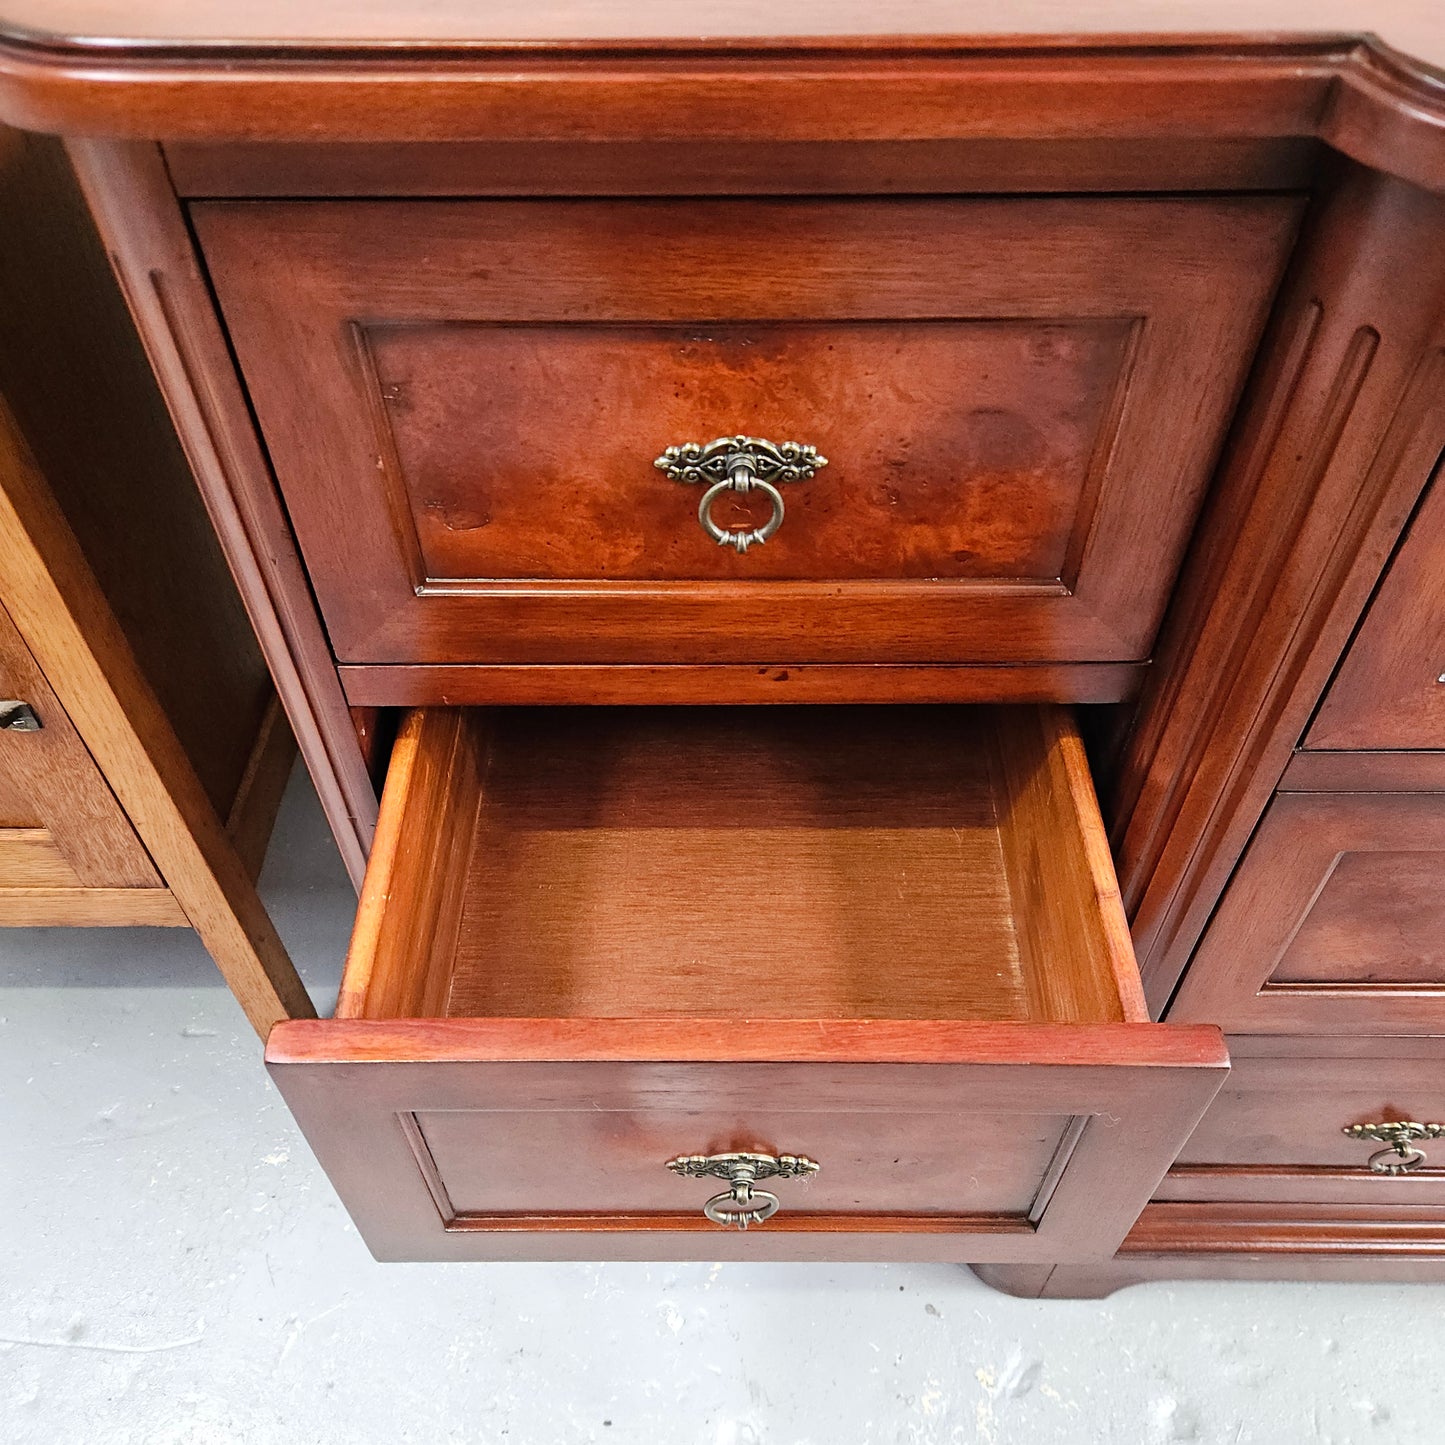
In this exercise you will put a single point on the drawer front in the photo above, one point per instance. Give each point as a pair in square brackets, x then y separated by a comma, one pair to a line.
[1390, 689]
[492, 1139]
[465, 401]
[1275, 1132]
[1334, 921]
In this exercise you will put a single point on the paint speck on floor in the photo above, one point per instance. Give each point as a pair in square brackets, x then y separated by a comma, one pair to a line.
[174, 1270]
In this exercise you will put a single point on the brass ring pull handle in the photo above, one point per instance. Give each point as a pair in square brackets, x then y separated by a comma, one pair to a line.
[741, 1204]
[740, 464]
[743, 481]
[1402, 1156]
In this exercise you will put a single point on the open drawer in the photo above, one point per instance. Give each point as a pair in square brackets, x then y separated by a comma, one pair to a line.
[596, 943]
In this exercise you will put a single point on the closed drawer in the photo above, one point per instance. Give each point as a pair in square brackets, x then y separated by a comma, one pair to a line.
[1018, 402]
[1390, 690]
[1334, 922]
[1277, 1130]
[594, 942]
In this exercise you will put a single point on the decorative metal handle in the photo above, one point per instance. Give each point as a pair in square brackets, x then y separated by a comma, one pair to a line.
[1402, 1156]
[741, 1204]
[740, 464]
[18, 717]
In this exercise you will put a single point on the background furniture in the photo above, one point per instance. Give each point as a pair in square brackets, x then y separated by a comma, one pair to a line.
[1126, 360]
[142, 752]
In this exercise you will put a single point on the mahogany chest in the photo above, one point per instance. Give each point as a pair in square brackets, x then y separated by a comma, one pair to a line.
[856, 601]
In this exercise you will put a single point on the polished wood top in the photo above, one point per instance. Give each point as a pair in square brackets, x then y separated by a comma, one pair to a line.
[1412, 27]
[1367, 79]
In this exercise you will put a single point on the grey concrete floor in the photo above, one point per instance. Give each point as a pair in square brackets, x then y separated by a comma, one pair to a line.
[175, 1270]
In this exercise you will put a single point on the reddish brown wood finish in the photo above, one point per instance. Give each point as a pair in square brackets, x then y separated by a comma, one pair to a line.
[635, 963]
[1275, 1131]
[638, 1092]
[469, 685]
[1266, 1189]
[1321, 772]
[1334, 922]
[1401, 1244]
[696, 167]
[151, 251]
[956, 449]
[1365, 100]
[1390, 690]
[909, 863]
[1010, 453]
[1344, 422]
[1341, 427]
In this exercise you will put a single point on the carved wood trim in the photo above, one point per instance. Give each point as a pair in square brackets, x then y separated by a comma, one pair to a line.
[1337, 437]
[151, 252]
[1370, 103]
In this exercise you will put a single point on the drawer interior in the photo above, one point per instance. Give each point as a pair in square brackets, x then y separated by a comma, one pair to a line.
[780, 863]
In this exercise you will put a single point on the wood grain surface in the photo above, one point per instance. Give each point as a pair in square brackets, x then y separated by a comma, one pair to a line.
[1275, 1132]
[75, 375]
[56, 604]
[1339, 433]
[1334, 922]
[51, 779]
[672, 684]
[154, 257]
[395, 78]
[818, 863]
[1390, 690]
[465, 492]
[633, 1093]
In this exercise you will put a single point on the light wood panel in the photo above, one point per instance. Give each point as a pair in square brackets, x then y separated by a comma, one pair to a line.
[90, 908]
[819, 863]
[61, 787]
[54, 601]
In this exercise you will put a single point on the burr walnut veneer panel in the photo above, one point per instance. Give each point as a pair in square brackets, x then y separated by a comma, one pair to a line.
[1020, 401]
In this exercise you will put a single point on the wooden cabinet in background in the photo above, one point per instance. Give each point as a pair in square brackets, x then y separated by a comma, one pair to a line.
[142, 751]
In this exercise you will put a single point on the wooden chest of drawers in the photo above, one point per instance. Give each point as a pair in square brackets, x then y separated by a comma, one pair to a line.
[529, 364]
